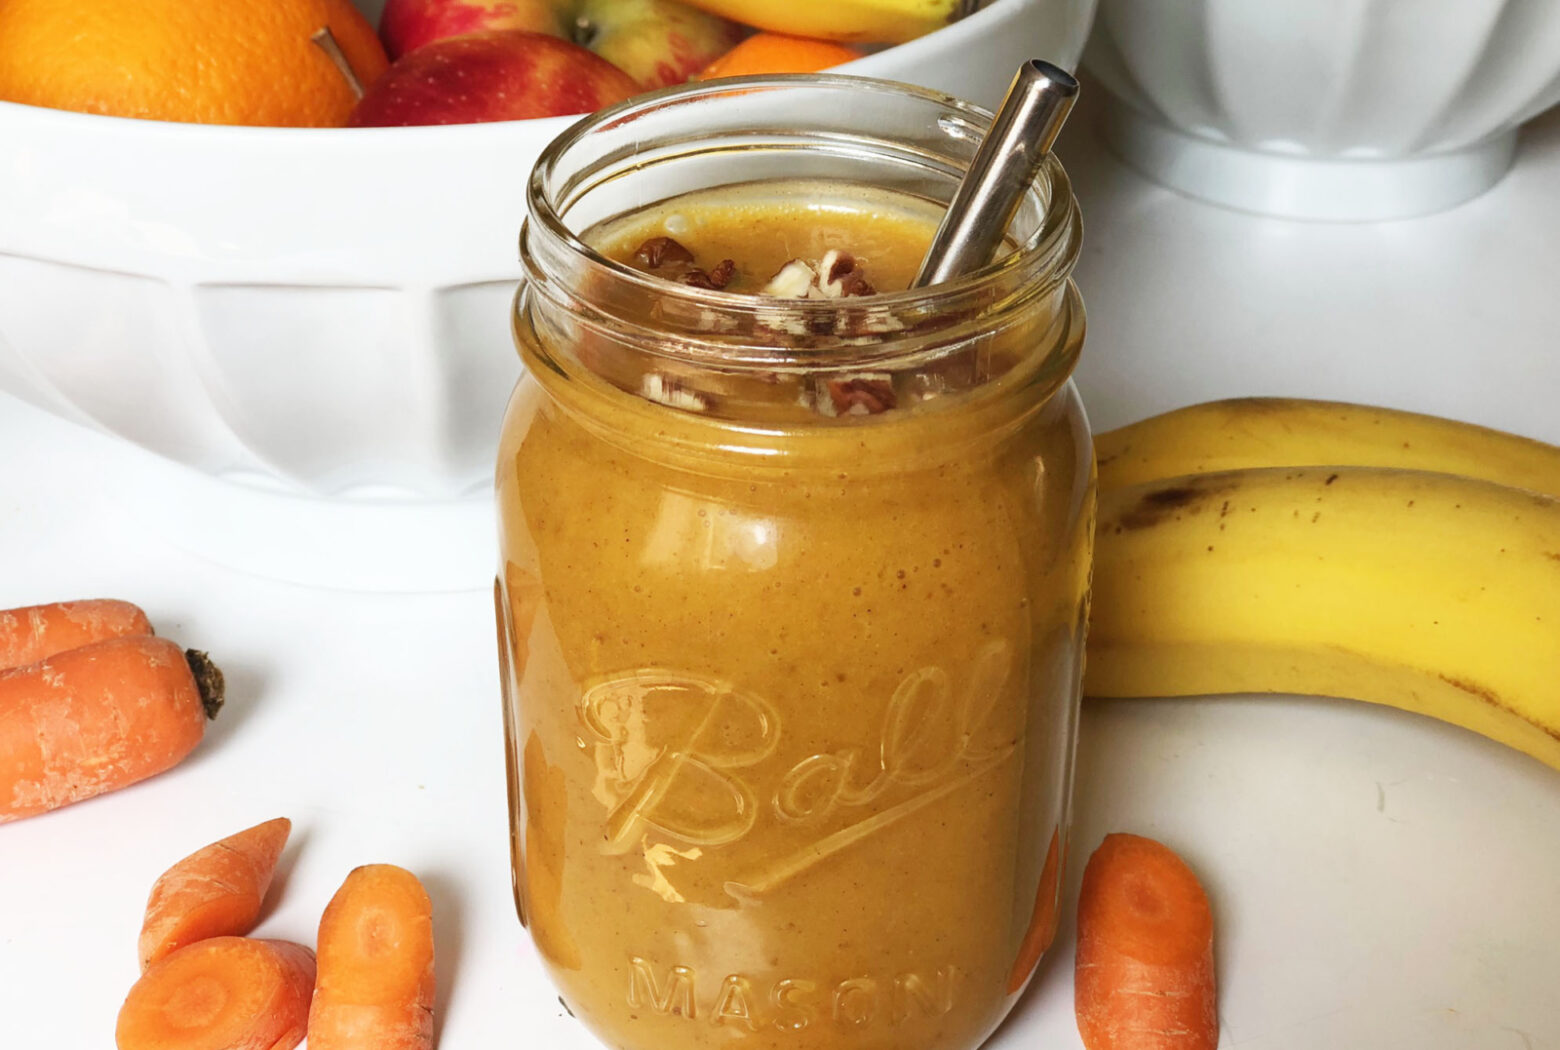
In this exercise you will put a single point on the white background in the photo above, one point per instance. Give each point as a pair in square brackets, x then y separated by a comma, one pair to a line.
[1381, 881]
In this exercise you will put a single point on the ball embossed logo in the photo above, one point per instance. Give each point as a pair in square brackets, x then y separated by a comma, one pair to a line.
[687, 764]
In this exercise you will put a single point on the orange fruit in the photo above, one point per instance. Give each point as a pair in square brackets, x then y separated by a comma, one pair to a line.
[204, 61]
[776, 53]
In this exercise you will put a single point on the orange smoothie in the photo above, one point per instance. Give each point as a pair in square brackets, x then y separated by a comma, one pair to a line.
[791, 650]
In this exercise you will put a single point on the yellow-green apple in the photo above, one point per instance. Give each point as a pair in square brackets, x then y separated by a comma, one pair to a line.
[503, 74]
[657, 42]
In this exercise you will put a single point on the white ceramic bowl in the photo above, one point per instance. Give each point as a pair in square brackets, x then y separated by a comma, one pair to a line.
[319, 319]
[1325, 109]
[321, 312]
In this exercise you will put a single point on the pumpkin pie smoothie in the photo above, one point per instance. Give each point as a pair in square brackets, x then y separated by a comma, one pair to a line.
[793, 586]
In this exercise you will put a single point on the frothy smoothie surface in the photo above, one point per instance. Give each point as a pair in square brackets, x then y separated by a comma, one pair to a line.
[761, 228]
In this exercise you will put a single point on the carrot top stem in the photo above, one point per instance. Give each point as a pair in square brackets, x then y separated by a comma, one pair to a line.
[208, 679]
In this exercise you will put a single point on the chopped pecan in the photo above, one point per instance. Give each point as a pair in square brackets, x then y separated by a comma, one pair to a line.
[670, 259]
[714, 279]
[665, 390]
[836, 276]
[861, 395]
[853, 283]
[876, 322]
[835, 264]
[839, 276]
[792, 281]
[786, 328]
[659, 251]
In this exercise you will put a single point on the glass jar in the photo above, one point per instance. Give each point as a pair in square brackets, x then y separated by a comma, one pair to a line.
[790, 697]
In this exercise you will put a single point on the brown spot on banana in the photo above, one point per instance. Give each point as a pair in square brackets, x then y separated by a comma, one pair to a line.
[1489, 697]
[1159, 504]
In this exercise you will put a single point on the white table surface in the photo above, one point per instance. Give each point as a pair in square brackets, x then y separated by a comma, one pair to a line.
[1382, 882]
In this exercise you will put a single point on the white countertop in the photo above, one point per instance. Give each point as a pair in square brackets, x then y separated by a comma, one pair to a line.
[1456, 314]
[1381, 881]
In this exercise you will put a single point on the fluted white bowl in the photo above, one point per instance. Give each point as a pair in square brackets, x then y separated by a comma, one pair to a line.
[321, 313]
[1325, 109]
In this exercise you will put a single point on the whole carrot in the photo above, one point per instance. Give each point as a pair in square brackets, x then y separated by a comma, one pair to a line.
[34, 632]
[98, 718]
[214, 892]
[375, 984]
[1144, 978]
[226, 993]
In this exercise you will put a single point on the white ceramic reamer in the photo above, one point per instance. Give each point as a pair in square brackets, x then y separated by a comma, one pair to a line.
[1325, 109]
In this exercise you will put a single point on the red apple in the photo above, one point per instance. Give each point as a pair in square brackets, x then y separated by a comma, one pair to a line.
[408, 24]
[657, 42]
[504, 74]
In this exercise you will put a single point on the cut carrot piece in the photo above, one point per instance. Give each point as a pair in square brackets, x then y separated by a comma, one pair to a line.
[1042, 923]
[226, 993]
[37, 632]
[375, 986]
[98, 718]
[214, 892]
[764, 53]
[1144, 977]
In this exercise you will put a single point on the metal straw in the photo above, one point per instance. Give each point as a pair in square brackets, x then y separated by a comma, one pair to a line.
[1004, 167]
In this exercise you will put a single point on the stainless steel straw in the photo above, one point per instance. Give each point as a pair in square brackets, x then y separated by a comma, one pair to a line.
[1021, 135]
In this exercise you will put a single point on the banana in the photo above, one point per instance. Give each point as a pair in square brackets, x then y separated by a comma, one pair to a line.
[1425, 591]
[1288, 432]
[850, 21]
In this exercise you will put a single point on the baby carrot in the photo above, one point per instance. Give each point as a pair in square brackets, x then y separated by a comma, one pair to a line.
[34, 632]
[375, 986]
[1144, 978]
[1042, 923]
[98, 718]
[225, 993]
[214, 892]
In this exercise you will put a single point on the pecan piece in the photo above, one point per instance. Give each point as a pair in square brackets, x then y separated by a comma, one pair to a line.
[672, 260]
[836, 276]
[660, 251]
[665, 390]
[840, 276]
[724, 271]
[861, 395]
[794, 280]
[714, 279]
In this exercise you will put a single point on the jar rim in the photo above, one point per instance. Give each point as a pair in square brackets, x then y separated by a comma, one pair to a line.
[1045, 257]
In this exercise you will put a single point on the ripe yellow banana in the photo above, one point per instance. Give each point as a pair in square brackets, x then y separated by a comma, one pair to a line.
[1429, 592]
[1288, 432]
[851, 21]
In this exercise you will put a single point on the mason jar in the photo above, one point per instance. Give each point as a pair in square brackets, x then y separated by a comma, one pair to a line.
[790, 694]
